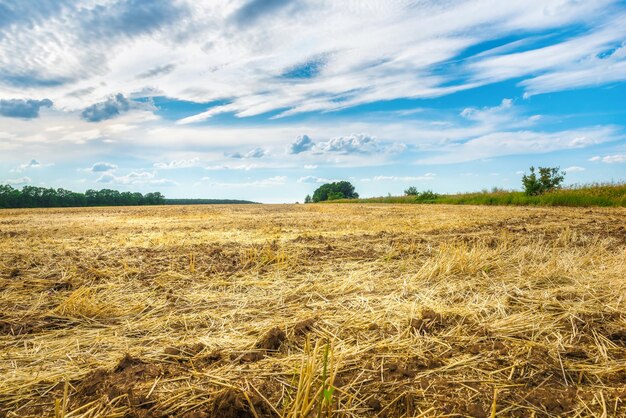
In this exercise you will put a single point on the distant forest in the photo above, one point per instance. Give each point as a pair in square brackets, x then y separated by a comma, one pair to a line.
[40, 197]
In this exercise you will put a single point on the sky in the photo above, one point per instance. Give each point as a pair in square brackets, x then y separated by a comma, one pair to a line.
[266, 100]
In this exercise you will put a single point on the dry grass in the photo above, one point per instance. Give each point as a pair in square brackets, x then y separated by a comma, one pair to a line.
[316, 310]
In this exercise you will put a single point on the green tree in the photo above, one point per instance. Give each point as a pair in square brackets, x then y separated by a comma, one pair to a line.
[411, 191]
[155, 198]
[335, 190]
[308, 199]
[550, 178]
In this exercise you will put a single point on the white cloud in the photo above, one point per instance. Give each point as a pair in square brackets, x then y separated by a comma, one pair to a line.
[361, 52]
[314, 179]
[254, 153]
[404, 179]
[574, 169]
[102, 167]
[355, 144]
[610, 159]
[218, 167]
[267, 182]
[134, 178]
[497, 144]
[310, 166]
[29, 165]
[174, 164]
[18, 182]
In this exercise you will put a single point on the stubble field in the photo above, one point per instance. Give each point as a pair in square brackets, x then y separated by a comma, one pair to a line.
[313, 310]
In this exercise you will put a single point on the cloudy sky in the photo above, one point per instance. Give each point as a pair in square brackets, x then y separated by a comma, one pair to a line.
[267, 99]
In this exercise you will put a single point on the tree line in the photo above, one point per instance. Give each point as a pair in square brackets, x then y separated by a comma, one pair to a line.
[41, 197]
[546, 179]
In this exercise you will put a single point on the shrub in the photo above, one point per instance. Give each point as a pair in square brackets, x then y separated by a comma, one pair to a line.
[411, 191]
[426, 196]
[334, 191]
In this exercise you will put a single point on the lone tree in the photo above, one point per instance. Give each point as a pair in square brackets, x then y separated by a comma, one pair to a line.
[334, 191]
[550, 178]
[307, 199]
[411, 191]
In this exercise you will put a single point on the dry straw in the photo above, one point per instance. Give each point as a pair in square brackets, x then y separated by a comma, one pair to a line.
[313, 310]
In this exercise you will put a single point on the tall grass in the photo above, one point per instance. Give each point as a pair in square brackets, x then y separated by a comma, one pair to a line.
[599, 194]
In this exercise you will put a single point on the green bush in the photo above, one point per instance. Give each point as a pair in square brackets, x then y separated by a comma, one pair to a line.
[411, 191]
[335, 191]
[549, 179]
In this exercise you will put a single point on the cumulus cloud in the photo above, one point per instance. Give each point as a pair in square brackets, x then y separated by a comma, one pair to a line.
[301, 144]
[23, 109]
[255, 153]
[345, 145]
[574, 169]
[31, 164]
[102, 167]
[112, 107]
[610, 159]
[356, 144]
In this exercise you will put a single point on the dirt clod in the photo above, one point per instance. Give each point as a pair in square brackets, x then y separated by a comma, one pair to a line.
[430, 321]
[233, 404]
[619, 336]
[272, 340]
[126, 362]
[374, 404]
[304, 327]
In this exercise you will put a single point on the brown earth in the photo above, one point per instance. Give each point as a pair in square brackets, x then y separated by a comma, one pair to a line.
[236, 311]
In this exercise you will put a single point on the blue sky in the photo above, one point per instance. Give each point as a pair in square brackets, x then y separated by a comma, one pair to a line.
[267, 99]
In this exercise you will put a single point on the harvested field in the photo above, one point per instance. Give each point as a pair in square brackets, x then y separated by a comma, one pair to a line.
[313, 310]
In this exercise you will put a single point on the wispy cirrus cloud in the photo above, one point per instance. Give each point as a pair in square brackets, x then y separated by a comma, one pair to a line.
[32, 164]
[134, 178]
[314, 179]
[101, 48]
[522, 142]
[17, 181]
[425, 177]
[265, 182]
[175, 164]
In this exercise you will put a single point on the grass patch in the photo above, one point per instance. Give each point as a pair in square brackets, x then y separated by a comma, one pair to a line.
[573, 196]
